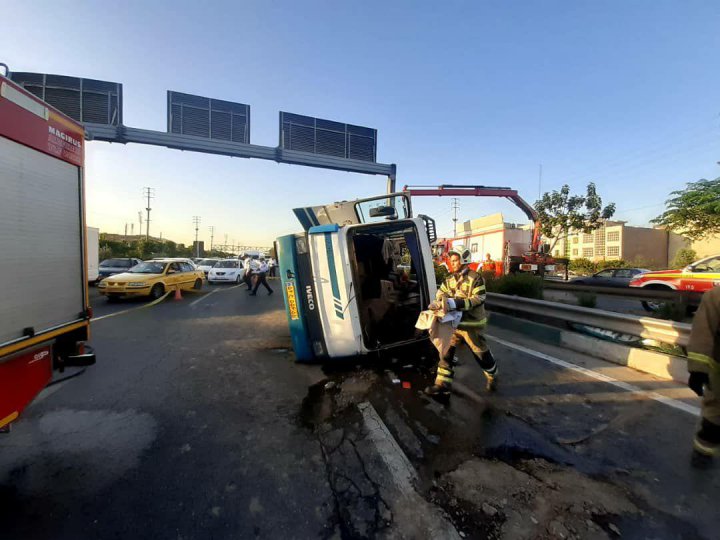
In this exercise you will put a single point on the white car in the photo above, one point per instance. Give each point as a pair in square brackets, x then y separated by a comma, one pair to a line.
[206, 264]
[228, 270]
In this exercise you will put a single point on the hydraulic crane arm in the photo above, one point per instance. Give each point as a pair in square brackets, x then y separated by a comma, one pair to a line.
[452, 190]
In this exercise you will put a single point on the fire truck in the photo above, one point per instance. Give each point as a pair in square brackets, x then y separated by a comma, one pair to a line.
[509, 248]
[694, 279]
[44, 308]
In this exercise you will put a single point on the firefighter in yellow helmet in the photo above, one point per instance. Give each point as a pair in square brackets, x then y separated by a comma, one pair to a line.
[464, 290]
[704, 368]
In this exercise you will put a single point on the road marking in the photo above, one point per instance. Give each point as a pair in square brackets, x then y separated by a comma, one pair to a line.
[163, 297]
[670, 402]
[203, 297]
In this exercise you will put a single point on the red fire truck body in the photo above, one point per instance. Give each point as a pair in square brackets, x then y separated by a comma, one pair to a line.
[44, 308]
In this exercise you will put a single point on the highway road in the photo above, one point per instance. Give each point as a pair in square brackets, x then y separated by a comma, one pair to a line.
[197, 423]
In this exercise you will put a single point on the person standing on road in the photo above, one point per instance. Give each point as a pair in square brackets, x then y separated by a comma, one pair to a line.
[247, 275]
[704, 368]
[271, 268]
[464, 290]
[260, 278]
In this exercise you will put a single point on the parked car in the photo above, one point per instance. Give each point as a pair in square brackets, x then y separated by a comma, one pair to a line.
[110, 267]
[697, 277]
[152, 278]
[206, 264]
[177, 259]
[610, 277]
[229, 270]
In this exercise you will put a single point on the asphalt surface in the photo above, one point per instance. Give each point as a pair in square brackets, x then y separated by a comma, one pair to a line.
[196, 423]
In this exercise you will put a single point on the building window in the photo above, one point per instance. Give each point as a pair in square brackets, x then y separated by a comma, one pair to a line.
[575, 252]
[587, 238]
[588, 253]
[613, 236]
[473, 248]
[613, 251]
[575, 239]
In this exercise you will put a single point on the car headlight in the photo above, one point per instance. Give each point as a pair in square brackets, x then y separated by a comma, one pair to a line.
[101, 285]
[137, 284]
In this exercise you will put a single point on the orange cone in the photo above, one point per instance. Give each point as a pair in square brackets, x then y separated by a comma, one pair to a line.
[178, 294]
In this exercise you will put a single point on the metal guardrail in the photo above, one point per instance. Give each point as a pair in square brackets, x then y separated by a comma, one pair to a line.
[637, 293]
[670, 332]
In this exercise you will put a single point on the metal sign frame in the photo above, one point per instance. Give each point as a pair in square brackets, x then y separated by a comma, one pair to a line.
[62, 91]
[218, 118]
[115, 131]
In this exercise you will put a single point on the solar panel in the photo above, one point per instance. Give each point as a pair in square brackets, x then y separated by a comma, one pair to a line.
[206, 117]
[84, 100]
[318, 136]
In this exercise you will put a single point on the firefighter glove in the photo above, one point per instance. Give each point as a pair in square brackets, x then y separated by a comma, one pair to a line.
[697, 381]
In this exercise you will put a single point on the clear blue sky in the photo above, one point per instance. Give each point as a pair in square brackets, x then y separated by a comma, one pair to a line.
[622, 93]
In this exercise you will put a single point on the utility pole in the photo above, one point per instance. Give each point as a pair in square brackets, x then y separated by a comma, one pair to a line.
[132, 229]
[196, 221]
[126, 232]
[150, 194]
[140, 228]
[212, 232]
[454, 207]
[540, 183]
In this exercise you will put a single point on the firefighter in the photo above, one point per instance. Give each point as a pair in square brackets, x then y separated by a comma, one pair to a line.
[488, 264]
[464, 290]
[704, 368]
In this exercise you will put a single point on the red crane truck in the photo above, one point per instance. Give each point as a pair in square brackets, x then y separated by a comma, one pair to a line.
[44, 308]
[514, 258]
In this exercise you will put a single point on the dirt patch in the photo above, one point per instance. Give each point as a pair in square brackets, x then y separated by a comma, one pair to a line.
[533, 499]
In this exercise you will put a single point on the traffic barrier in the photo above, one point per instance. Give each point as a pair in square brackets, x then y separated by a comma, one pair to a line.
[639, 293]
[670, 332]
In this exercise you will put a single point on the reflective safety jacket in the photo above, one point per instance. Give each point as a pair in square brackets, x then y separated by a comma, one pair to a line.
[704, 346]
[467, 288]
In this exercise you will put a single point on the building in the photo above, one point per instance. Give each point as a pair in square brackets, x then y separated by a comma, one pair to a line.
[706, 247]
[489, 234]
[616, 240]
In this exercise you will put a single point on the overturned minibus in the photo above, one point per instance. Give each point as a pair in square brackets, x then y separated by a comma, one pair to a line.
[357, 277]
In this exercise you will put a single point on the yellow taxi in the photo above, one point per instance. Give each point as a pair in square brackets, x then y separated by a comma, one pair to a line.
[153, 278]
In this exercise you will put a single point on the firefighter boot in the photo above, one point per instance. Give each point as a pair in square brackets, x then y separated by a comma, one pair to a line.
[490, 369]
[706, 445]
[443, 382]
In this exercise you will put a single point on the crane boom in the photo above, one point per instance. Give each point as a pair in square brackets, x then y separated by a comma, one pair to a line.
[455, 190]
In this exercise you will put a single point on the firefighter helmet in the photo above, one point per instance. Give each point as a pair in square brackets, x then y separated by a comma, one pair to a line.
[461, 252]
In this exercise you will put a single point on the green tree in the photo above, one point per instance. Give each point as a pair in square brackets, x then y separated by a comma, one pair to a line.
[683, 258]
[559, 212]
[694, 211]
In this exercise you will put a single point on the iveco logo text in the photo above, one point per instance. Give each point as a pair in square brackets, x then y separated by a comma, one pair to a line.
[310, 299]
[64, 136]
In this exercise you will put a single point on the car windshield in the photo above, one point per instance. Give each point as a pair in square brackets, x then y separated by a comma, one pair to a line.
[115, 262]
[207, 262]
[226, 264]
[148, 268]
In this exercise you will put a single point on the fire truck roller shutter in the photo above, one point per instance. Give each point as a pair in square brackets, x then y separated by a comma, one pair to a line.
[40, 220]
